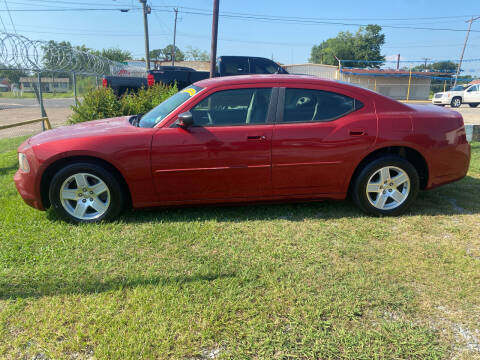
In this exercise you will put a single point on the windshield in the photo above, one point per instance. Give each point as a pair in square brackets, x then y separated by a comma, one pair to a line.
[457, 88]
[157, 114]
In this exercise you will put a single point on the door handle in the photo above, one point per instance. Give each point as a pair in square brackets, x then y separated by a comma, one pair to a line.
[256, 137]
[357, 132]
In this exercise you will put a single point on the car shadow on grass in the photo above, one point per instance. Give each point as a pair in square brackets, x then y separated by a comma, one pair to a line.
[8, 169]
[459, 198]
[53, 286]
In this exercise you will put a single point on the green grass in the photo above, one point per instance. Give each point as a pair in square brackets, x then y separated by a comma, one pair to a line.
[294, 281]
[31, 95]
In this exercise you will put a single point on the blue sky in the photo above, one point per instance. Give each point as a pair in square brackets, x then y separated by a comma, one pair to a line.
[286, 42]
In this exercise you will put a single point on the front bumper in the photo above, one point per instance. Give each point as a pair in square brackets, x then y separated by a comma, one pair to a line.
[26, 187]
[442, 101]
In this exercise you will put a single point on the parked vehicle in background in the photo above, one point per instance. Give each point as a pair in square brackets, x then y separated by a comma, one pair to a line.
[247, 139]
[184, 76]
[472, 95]
[452, 97]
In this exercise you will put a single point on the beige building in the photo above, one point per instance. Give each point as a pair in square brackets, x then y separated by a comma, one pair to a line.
[392, 83]
[323, 71]
[49, 84]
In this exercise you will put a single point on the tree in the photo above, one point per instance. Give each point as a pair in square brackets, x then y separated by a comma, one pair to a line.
[167, 53]
[445, 66]
[13, 74]
[448, 67]
[115, 54]
[156, 54]
[194, 54]
[365, 45]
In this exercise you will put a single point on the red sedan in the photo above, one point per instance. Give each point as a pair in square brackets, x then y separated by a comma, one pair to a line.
[247, 139]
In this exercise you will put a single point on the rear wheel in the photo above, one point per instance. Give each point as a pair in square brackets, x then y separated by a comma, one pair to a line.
[473, 105]
[456, 102]
[386, 186]
[86, 192]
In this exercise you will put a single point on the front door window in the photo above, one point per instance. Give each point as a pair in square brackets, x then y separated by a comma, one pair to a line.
[233, 108]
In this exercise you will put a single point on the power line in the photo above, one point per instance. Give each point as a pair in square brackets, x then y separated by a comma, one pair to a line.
[71, 9]
[3, 24]
[333, 19]
[10, 15]
[263, 18]
[307, 21]
[58, 2]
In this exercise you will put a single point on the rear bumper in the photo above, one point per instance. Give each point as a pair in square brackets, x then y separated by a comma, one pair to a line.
[449, 164]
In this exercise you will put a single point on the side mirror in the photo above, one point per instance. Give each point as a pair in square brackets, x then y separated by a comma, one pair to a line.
[185, 120]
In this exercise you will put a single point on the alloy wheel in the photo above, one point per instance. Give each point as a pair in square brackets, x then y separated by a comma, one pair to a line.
[388, 188]
[85, 196]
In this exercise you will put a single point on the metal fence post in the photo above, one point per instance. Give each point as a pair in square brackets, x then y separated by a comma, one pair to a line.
[409, 84]
[96, 79]
[40, 100]
[74, 78]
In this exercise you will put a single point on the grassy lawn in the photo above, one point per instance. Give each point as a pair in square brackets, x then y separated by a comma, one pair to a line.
[308, 281]
[31, 95]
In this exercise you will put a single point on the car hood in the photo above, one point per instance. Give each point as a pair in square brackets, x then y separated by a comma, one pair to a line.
[117, 125]
[451, 93]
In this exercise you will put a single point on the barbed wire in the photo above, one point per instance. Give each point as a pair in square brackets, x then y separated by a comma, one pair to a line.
[19, 52]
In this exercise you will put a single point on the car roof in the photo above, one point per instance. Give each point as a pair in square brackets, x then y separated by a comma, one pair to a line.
[275, 78]
[283, 79]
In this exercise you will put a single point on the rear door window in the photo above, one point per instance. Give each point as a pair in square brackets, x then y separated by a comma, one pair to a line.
[263, 66]
[236, 66]
[306, 105]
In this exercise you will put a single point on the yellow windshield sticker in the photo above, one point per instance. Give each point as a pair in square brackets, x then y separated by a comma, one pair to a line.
[190, 91]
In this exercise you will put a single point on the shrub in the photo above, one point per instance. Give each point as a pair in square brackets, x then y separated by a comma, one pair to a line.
[98, 103]
[102, 103]
[144, 100]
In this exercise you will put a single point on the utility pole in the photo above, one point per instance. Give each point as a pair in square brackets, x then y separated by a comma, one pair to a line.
[146, 10]
[398, 62]
[464, 46]
[426, 59]
[174, 50]
[213, 52]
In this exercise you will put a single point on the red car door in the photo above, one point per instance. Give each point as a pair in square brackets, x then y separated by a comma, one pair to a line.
[320, 133]
[225, 155]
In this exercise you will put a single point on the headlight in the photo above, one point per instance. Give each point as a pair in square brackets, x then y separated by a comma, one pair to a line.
[23, 163]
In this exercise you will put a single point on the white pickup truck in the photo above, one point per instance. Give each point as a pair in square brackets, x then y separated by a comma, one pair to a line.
[458, 96]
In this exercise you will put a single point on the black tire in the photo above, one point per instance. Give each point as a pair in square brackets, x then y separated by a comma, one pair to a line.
[456, 102]
[473, 105]
[359, 189]
[115, 192]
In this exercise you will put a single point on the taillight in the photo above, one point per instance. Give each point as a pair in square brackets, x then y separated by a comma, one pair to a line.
[104, 82]
[150, 80]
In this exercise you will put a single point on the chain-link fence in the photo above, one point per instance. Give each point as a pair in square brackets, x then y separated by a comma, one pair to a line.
[47, 98]
[40, 81]
[401, 80]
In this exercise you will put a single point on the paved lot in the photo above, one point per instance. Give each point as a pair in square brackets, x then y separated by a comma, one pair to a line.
[470, 115]
[7, 103]
[57, 115]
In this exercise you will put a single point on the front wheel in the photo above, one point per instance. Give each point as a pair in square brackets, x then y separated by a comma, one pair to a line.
[86, 192]
[456, 102]
[473, 105]
[386, 186]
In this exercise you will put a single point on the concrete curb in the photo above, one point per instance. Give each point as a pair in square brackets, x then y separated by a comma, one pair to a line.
[473, 132]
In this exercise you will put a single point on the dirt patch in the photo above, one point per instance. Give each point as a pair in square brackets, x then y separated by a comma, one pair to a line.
[57, 117]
